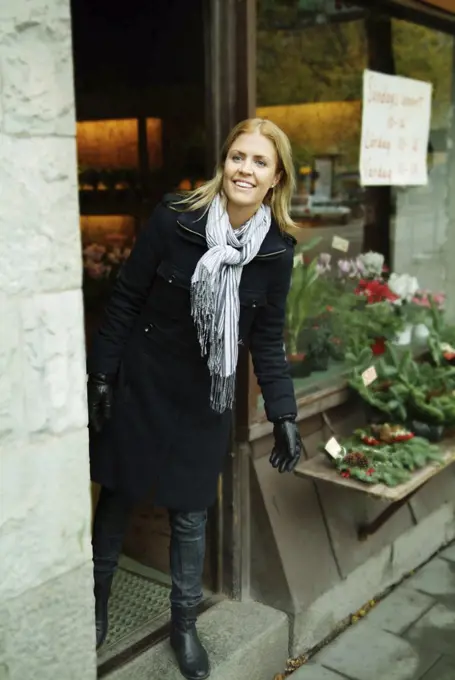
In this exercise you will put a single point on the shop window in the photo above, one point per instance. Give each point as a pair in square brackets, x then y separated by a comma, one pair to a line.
[353, 241]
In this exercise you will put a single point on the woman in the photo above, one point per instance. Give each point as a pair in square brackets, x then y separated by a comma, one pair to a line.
[208, 273]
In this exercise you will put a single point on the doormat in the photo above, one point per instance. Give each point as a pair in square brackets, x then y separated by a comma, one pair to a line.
[136, 602]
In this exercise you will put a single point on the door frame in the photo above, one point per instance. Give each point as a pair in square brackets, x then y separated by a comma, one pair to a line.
[230, 48]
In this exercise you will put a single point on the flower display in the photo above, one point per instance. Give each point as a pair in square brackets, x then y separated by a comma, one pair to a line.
[101, 267]
[101, 261]
[337, 307]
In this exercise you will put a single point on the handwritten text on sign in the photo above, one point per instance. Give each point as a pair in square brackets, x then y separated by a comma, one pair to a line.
[395, 130]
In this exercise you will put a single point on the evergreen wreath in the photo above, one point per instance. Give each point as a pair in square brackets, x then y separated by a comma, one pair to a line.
[386, 454]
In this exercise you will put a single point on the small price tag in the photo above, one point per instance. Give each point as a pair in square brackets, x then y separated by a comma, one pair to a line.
[333, 448]
[339, 243]
[369, 376]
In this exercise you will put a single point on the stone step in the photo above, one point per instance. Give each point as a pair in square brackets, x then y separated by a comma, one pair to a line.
[245, 641]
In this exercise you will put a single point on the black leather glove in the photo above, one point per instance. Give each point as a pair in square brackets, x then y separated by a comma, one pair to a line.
[100, 394]
[288, 444]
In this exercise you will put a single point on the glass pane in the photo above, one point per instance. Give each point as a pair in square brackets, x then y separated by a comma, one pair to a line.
[311, 56]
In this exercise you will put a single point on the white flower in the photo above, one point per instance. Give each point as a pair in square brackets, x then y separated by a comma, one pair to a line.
[371, 262]
[403, 285]
[323, 264]
[298, 259]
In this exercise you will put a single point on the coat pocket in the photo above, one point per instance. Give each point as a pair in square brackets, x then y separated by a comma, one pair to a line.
[173, 275]
[169, 297]
[251, 301]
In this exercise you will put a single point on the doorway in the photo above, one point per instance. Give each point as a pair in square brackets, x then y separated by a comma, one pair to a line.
[141, 132]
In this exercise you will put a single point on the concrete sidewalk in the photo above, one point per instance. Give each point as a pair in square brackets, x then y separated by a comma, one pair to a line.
[409, 635]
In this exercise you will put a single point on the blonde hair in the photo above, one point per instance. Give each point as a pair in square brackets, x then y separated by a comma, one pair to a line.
[278, 198]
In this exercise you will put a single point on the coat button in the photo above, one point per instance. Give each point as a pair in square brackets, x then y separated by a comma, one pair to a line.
[171, 279]
[255, 304]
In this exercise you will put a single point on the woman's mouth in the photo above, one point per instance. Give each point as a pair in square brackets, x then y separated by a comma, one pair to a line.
[242, 184]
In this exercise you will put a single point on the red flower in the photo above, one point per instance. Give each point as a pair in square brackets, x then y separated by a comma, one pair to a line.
[378, 347]
[404, 437]
[346, 474]
[370, 471]
[375, 291]
[371, 441]
[329, 308]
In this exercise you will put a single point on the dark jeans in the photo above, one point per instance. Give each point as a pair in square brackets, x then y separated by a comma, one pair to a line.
[187, 549]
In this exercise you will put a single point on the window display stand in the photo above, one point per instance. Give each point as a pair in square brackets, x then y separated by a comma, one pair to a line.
[320, 469]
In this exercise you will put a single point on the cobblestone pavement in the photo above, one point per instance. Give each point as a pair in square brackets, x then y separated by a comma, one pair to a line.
[409, 635]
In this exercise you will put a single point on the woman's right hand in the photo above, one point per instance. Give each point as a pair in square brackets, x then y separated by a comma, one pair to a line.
[99, 397]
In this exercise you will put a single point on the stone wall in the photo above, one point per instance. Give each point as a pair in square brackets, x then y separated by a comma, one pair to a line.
[46, 602]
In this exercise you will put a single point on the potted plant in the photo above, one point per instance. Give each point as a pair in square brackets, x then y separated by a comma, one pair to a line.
[407, 391]
[299, 302]
[300, 365]
[319, 347]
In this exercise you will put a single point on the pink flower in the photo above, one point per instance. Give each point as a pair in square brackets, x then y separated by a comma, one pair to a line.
[96, 270]
[423, 299]
[94, 252]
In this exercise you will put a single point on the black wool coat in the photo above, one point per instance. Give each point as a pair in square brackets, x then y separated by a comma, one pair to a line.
[163, 435]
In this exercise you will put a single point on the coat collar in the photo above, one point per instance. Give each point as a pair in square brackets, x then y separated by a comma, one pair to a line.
[195, 223]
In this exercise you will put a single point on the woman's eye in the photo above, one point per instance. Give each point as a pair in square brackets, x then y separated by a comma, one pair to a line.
[261, 164]
[236, 158]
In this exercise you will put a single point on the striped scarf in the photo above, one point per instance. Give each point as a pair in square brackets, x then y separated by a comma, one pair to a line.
[215, 304]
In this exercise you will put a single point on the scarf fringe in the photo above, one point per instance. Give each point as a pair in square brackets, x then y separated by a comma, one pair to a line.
[203, 308]
[222, 392]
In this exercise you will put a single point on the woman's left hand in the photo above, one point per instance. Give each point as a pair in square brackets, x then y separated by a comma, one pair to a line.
[288, 444]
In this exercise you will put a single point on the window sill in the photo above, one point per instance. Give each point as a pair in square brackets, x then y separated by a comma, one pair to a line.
[318, 400]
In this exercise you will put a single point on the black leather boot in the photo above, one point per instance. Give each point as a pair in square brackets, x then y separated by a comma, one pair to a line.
[191, 656]
[102, 590]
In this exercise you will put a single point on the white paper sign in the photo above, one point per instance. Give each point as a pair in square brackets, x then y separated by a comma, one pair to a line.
[339, 243]
[333, 448]
[369, 376]
[395, 130]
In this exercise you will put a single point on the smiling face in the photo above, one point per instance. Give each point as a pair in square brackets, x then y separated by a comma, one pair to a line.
[250, 170]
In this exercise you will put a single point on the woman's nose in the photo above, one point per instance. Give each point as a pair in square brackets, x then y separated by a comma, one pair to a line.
[247, 167]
